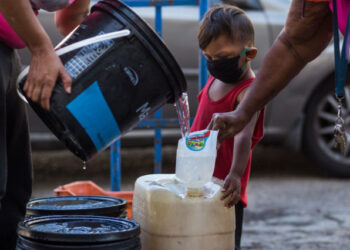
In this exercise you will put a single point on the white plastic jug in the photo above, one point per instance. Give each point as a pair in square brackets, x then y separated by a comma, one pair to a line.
[195, 158]
[171, 221]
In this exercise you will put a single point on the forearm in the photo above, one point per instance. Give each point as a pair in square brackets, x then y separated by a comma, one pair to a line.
[302, 40]
[72, 16]
[232, 185]
[21, 18]
[279, 67]
[241, 154]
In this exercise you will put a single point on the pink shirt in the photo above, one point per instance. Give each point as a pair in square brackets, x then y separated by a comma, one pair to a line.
[9, 36]
[343, 8]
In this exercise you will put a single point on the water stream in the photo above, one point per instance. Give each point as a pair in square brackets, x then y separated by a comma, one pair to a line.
[183, 114]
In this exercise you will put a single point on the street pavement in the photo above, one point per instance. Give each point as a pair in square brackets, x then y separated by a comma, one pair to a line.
[291, 205]
[297, 213]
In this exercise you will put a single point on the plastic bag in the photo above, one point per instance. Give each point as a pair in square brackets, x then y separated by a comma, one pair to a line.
[195, 158]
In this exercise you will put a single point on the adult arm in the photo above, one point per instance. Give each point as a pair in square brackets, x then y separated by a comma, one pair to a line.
[73, 15]
[301, 41]
[45, 65]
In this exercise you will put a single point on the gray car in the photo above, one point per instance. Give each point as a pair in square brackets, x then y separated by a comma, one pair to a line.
[302, 116]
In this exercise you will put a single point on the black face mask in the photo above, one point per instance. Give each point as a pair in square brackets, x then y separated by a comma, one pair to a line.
[226, 69]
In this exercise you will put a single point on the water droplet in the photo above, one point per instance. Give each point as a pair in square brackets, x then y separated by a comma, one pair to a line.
[84, 165]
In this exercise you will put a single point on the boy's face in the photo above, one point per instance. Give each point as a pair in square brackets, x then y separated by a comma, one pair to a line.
[223, 48]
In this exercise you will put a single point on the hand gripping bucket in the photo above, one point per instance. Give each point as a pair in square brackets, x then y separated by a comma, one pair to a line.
[121, 73]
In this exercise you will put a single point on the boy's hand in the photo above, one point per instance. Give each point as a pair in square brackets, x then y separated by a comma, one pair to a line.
[231, 189]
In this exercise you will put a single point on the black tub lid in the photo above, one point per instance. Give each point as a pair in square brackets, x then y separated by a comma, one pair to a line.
[78, 229]
[95, 205]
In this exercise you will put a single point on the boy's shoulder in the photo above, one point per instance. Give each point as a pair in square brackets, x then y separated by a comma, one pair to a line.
[244, 87]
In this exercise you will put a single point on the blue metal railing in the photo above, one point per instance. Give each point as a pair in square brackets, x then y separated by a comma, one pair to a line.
[157, 122]
[203, 76]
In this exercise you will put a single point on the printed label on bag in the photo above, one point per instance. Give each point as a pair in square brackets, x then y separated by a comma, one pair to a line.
[197, 142]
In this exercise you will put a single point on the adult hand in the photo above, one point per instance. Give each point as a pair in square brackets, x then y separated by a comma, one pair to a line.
[231, 190]
[45, 68]
[229, 124]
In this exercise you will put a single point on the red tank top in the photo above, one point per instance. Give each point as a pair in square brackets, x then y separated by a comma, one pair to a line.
[206, 109]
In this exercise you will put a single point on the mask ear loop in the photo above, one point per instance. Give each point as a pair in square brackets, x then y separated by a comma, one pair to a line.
[240, 55]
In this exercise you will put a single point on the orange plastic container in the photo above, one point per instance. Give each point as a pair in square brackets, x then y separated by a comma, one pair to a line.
[90, 188]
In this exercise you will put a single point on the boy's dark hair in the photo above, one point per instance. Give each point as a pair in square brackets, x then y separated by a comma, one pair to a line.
[225, 20]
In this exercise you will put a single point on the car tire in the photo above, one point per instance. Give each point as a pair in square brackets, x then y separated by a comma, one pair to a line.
[321, 113]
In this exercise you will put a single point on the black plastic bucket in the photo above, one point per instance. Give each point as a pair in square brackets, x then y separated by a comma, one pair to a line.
[117, 83]
[78, 232]
[76, 205]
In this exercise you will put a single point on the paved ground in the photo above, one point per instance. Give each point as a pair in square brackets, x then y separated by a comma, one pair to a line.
[297, 213]
[291, 206]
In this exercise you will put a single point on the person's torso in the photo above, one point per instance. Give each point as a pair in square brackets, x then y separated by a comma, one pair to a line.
[205, 111]
[9, 37]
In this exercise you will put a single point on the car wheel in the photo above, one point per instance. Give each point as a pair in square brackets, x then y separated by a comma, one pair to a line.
[321, 114]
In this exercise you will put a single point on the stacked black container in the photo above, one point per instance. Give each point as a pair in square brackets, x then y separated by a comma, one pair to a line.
[78, 222]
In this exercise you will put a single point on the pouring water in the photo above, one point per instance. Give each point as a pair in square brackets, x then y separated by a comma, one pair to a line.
[196, 152]
[183, 113]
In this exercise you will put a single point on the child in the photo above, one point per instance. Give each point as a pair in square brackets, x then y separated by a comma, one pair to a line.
[226, 37]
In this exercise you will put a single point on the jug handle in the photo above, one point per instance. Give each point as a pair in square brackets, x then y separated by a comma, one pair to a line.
[74, 46]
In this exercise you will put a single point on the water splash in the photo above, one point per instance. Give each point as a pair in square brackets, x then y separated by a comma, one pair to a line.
[183, 113]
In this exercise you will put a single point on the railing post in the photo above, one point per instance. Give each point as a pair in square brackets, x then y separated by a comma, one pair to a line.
[116, 166]
[115, 150]
[158, 113]
[203, 75]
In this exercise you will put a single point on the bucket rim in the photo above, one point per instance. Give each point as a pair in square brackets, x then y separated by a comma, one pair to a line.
[26, 229]
[119, 206]
[141, 26]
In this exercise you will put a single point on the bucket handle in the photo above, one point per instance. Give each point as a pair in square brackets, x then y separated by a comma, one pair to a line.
[74, 46]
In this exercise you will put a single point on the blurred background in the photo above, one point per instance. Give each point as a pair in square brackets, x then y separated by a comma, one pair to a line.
[301, 118]
[295, 199]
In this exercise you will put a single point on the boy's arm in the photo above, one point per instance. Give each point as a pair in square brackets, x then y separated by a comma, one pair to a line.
[241, 154]
[73, 15]
[45, 66]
